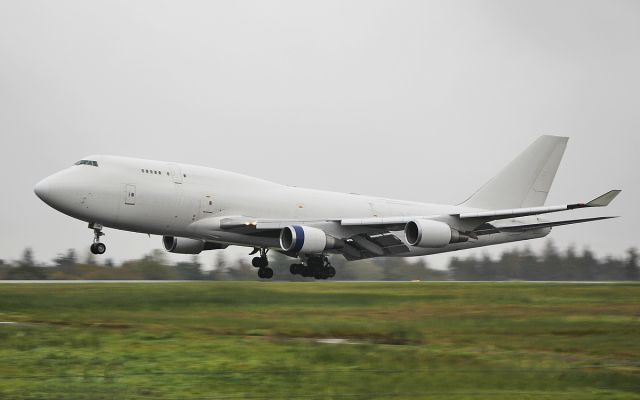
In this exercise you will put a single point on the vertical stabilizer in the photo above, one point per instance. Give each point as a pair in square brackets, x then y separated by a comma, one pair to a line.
[526, 181]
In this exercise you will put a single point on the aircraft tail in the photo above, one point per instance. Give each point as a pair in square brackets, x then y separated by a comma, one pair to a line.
[525, 181]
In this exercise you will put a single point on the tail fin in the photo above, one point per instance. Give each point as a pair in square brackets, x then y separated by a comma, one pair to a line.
[526, 181]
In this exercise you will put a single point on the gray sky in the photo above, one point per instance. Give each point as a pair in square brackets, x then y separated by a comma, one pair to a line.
[406, 99]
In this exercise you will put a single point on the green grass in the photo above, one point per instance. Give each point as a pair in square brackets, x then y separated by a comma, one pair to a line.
[231, 340]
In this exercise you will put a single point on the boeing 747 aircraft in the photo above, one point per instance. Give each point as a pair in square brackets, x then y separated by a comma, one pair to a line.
[196, 208]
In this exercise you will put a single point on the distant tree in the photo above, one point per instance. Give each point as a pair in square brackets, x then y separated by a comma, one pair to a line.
[217, 271]
[152, 267]
[156, 256]
[108, 263]
[190, 270]
[241, 271]
[66, 262]
[27, 258]
[220, 261]
[403, 269]
[549, 267]
[632, 271]
[464, 269]
[90, 258]
[26, 268]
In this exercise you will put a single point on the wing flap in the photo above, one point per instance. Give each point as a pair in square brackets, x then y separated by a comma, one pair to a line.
[363, 246]
[528, 227]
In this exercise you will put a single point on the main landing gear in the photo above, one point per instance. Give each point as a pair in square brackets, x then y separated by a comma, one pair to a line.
[317, 267]
[261, 262]
[97, 247]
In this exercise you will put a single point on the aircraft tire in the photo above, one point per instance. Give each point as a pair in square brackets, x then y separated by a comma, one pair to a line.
[295, 269]
[98, 248]
[306, 271]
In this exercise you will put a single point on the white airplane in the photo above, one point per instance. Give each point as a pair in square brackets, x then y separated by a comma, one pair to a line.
[197, 208]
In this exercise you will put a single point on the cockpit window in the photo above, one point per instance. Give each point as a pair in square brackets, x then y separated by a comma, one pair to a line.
[87, 162]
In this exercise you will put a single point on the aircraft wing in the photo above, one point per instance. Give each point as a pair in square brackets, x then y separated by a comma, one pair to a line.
[600, 201]
[474, 219]
[378, 236]
[470, 220]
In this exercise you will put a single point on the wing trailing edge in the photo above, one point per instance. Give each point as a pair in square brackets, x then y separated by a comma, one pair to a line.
[528, 227]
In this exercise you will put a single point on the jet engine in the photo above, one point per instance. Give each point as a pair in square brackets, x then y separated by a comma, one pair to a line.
[430, 233]
[182, 245]
[299, 239]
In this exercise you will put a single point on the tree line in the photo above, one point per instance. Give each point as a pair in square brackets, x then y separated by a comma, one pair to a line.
[514, 264]
[550, 265]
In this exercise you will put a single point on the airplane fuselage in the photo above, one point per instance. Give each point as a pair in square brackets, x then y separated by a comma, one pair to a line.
[182, 200]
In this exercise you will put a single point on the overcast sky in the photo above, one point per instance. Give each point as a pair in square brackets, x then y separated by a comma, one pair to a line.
[405, 99]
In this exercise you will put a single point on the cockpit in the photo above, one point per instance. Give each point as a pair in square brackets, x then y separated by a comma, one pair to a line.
[87, 162]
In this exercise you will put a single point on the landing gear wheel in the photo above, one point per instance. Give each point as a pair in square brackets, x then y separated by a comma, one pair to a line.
[294, 269]
[331, 272]
[306, 271]
[260, 261]
[265, 273]
[98, 248]
[320, 273]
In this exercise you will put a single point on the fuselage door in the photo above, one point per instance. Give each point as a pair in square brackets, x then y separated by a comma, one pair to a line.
[206, 205]
[130, 194]
[176, 174]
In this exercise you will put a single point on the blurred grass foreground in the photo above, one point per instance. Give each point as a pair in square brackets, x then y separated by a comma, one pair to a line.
[324, 340]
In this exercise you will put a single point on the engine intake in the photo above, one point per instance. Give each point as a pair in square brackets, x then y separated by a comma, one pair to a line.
[430, 233]
[299, 239]
[182, 245]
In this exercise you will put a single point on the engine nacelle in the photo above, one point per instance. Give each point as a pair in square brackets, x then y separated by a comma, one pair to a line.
[182, 245]
[430, 233]
[299, 239]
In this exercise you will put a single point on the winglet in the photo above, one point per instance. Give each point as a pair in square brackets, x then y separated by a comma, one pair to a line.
[604, 200]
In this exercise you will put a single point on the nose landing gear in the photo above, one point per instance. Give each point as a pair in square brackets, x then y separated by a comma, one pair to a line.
[97, 247]
[261, 262]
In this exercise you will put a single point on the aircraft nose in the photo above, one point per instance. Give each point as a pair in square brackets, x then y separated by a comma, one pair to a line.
[41, 189]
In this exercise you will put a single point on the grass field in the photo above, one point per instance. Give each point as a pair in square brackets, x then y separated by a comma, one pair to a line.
[263, 340]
